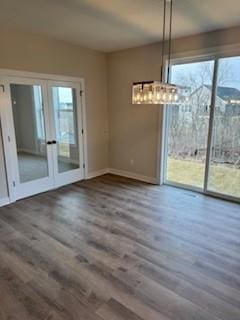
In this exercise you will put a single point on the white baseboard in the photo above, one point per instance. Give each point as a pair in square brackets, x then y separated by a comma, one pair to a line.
[132, 175]
[122, 173]
[4, 202]
[97, 173]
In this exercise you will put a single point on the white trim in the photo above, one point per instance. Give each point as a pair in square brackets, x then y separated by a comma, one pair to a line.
[122, 173]
[6, 134]
[4, 202]
[42, 76]
[134, 176]
[84, 127]
[97, 173]
[161, 151]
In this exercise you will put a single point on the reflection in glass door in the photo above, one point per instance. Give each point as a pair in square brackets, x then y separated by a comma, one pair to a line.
[31, 152]
[188, 125]
[224, 169]
[28, 116]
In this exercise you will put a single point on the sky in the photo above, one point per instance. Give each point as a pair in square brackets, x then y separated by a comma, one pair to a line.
[65, 94]
[229, 72]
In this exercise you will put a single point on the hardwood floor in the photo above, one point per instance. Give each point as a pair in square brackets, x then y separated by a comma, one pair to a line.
[117, 249]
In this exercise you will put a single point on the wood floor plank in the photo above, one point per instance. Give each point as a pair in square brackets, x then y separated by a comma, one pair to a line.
[112, 248]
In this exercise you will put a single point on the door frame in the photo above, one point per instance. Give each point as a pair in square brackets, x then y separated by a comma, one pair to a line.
[5, 74]
[196, 56]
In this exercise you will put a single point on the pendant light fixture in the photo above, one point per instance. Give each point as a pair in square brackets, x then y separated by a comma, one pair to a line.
[160, 92]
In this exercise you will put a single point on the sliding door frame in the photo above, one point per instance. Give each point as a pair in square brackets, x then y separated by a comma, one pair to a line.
[5, 75]
[215, 55]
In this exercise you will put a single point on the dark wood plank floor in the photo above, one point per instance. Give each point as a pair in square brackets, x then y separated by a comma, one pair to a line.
[117, 249]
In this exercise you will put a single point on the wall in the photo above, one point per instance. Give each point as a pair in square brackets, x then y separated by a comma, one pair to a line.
[134, 130]
[35, 53]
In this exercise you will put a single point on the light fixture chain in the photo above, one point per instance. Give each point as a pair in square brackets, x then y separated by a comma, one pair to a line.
[170, 40]
[163, 37]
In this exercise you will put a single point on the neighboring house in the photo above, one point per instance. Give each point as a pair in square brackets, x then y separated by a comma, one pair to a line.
[227, 101]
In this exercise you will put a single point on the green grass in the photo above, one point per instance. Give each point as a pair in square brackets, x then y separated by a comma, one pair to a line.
[222, 179]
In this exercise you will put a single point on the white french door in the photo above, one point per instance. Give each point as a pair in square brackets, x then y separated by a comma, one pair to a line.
[27, 109]
[66, 131]
[44, 129]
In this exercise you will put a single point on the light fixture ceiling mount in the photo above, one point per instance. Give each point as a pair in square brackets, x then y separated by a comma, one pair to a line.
[160, 92]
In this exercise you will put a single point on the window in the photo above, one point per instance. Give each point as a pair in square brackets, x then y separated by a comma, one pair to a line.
[64, 107]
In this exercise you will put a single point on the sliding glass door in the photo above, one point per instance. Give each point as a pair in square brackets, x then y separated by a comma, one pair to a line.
[203, 135]
[188, 125]
[224, 164]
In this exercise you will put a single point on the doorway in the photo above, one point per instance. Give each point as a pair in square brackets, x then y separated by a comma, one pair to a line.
[202, 147]
[45, 133]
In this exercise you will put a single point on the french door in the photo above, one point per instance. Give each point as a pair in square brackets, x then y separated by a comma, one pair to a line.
[44, 123]
[66, 132]
[202, 149]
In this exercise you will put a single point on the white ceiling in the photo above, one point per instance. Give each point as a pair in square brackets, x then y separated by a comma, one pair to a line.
[110, 25]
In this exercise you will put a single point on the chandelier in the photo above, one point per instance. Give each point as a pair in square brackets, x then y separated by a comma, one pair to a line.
[160, 92]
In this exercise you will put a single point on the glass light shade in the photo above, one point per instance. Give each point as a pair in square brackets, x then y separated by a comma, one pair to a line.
[156, 92]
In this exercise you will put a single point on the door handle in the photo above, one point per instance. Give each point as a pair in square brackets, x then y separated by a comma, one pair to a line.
[49, 142]
[54, 142]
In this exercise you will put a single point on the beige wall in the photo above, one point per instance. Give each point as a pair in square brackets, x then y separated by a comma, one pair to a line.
[135, 130]
[35, 53]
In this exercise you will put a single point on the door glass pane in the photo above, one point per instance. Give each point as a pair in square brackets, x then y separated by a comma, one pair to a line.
[65, 111]
[224, 170]
[3, 176]
[188, 124]
[28, 115]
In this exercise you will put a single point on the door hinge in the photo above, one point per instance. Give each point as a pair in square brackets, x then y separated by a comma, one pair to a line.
[3, 87]
[9, 139]
[82, 131]
[84, 166]
[81, 93]
[14, 184]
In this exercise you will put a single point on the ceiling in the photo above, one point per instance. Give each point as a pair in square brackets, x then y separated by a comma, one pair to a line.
[110, 25]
